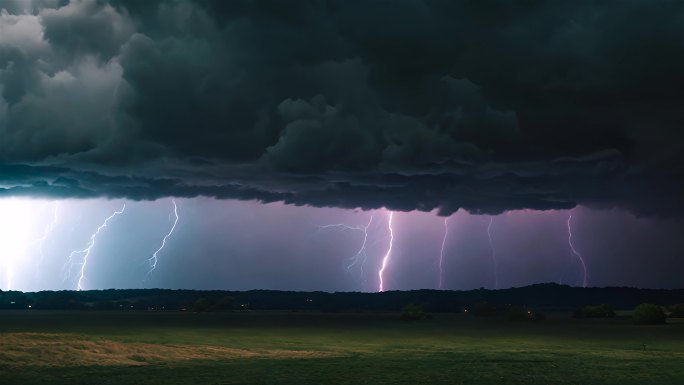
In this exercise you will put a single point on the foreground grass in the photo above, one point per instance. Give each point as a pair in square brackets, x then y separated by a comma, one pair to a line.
[313, 348]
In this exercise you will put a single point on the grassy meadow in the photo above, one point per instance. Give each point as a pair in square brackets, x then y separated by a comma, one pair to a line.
[93, 347]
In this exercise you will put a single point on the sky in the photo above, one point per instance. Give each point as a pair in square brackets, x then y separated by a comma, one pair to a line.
[265, 121]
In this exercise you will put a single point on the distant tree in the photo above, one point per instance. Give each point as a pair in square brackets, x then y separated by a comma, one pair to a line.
[170, 304]
[649, 314]
[677, 311]
[535, 316]
[225, 303]
[521, 313]
[483, 309]
[413, 312]
[15, 300]
[595, 311]
[201, 304]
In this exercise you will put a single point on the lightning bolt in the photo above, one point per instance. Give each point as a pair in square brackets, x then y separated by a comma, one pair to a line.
[89, 247]
[574, 251]
[441, 252]
[46, 235]
[360, 256]
[491, 245]
[386, 258]
[153, 259]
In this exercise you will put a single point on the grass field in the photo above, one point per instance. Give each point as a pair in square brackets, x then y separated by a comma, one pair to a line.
[317, 348]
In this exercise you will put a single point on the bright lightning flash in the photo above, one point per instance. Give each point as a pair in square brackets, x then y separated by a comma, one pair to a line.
[574, 251]
[153, 259]
[16, 222]
[491, 245]
[360, 257]
[386, 258]
[441, 251]
[89, 248]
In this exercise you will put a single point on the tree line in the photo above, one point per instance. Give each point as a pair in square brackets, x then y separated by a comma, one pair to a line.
[547, 297]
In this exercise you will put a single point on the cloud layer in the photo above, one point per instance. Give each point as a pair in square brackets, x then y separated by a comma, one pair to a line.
[409, 105]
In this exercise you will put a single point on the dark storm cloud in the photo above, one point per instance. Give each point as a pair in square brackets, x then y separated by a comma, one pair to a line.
[406, 104]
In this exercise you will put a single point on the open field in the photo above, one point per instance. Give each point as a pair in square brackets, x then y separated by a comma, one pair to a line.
[83, 347]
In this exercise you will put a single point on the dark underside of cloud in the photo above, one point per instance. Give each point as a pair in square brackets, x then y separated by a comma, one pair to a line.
[483, 105]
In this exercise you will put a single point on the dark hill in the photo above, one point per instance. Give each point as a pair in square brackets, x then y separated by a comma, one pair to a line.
[540, 296]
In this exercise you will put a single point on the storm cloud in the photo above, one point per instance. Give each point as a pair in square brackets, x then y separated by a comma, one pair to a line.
[487, 106]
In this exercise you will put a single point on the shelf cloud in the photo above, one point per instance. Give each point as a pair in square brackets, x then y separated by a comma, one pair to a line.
[427, 105]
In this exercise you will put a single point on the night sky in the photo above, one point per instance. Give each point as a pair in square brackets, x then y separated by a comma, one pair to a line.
[341, 145]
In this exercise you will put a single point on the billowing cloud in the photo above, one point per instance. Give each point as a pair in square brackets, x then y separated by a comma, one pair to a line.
[409, 105]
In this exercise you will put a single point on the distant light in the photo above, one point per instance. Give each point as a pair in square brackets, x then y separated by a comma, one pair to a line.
[29, 306]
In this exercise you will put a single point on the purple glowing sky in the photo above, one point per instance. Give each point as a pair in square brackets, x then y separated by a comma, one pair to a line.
[239, 245]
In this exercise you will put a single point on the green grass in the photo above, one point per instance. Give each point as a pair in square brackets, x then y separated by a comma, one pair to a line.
[315, 348]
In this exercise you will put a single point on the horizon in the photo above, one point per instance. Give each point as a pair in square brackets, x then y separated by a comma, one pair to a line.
[540, 284]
